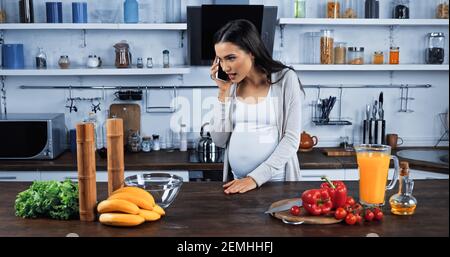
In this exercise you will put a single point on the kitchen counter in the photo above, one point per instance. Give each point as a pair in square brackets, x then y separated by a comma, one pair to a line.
[177, 160]
[202, 209]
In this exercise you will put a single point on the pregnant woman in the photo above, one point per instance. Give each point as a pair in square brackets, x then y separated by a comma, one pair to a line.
[257, 118]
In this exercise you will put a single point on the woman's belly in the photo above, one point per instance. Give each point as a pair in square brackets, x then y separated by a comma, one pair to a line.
[250, 145]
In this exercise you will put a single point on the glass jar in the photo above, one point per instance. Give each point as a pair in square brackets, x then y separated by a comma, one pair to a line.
[149, 62]
[333, 9]
[442, 9]
[435, 48]
[394, 55]
[2, 12]
[300, 9]
[371, 9]
[326, 47]
[400, 9]
[146, 144]
[64, 62]
[340, 53]
[355, 55]
[140, 63]
[378, 57]
[350, 10]
[311, 49]
[156, 144]
[166, 59]
[41, 59]
[134, 142]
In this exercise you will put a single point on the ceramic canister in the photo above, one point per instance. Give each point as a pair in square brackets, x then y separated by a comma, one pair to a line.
[54, 12]
[12, 56]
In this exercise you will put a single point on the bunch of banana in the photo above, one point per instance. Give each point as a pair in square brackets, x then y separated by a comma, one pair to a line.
[129, 206]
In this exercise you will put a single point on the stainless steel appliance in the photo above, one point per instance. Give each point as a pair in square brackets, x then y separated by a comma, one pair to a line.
[206, 151]
[32, 136]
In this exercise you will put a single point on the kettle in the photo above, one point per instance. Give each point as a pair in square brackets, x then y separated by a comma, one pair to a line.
[307, 142]
[123, 55]
[206, 144]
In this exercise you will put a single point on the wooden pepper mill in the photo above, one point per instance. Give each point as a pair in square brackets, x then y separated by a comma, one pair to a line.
[116, 167]
[86, 171]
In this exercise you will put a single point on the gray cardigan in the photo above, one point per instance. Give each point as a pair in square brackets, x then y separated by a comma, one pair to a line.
[287, 96]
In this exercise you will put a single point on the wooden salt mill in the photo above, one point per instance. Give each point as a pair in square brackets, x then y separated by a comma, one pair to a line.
[116, 167]
[86, 171]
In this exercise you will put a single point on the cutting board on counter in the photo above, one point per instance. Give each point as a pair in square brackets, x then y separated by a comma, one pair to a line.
[131, 116]
[338, 152]
[303, 217]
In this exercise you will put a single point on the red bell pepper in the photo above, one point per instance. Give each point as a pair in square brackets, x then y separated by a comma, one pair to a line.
[337, 191]
[317, 201]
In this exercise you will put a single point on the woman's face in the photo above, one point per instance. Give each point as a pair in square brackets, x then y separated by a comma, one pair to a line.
[234, 61]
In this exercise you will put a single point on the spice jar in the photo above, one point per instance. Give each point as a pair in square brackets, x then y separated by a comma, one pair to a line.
[166, 59]
[333, 9]
[378, 57]
[64, 62]
[340, 53]
[394, 55]
[355, 55]
[326, 47]
[134, 142]
[149, 62]
[156, 144]
[41, 59]
[435, 49]
[442, 9]
[400, 9]
[146, 144]
[139, 63]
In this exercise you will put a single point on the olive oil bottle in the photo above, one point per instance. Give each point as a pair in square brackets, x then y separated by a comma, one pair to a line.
[403, 203]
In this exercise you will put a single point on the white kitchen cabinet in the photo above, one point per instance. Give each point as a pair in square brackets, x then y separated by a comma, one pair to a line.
[353, 174]
[101, 176]
[18, 176]
[316, 174]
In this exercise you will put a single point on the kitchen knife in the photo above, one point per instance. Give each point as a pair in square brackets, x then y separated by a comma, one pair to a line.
[374, 110]
[381, 110]
[368, 112]
[285, 207]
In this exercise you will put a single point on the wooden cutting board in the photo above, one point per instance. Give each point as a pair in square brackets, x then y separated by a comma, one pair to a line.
[338, 152]
[307, 219]
[131, 115]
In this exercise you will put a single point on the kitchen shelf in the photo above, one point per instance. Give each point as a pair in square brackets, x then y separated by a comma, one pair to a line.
[93, 26]
[110, 71]
[364, 22]
[370, 67]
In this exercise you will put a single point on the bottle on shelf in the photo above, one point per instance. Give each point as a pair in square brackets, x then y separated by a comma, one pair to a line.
[41, 59]
[404, 203]
[300, 8]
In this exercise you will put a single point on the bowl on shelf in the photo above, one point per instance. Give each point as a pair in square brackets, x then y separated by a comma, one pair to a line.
[164, 187]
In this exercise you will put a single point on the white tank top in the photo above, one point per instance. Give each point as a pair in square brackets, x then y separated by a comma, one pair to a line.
[254, 137]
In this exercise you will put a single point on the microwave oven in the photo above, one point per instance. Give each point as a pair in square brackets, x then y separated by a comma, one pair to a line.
[32, 136]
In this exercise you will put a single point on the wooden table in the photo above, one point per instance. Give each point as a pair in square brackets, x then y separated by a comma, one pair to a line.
[202, 209]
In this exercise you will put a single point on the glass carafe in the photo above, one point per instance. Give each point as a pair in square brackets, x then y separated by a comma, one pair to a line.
[404, 203]
[373, 164]
[123, 55]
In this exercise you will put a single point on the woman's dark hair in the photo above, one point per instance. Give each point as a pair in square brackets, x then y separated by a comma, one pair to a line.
[245, 35]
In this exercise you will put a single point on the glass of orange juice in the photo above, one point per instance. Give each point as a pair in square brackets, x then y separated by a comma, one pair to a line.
[373, 164]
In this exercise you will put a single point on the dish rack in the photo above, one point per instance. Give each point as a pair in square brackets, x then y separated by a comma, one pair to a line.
[317, 111]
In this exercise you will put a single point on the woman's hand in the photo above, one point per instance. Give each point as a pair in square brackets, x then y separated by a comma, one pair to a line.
[239, 185]
[224, 87]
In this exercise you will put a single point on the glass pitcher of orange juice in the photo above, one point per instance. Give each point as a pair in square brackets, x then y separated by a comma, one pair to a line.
[373, 164]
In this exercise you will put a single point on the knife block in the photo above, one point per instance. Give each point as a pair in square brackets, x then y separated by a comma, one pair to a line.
[374, 132]
[86, 171]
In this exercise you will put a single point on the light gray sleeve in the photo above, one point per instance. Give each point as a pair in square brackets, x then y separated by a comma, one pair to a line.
[290, 141]
[221, 125]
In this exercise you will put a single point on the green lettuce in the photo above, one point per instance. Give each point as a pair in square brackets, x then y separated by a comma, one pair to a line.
[50, 199]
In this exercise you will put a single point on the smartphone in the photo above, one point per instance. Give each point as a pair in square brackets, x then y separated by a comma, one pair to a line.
[221, 75]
